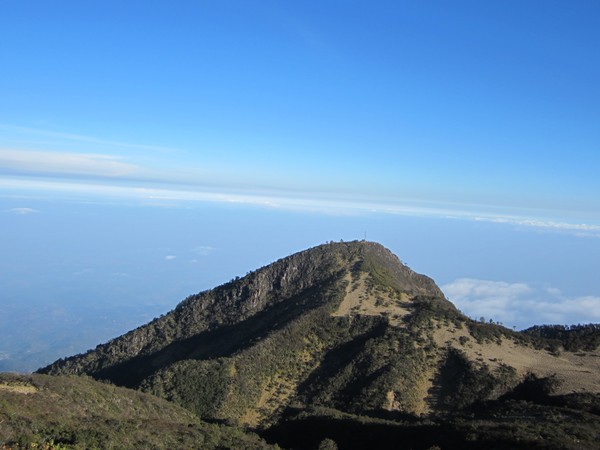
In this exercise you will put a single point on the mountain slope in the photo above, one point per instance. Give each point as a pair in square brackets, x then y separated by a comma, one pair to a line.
[39, 411]
[344, 326]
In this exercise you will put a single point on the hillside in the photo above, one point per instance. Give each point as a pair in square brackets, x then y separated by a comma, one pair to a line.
[80, 413]
[243, 351]
[345, 328]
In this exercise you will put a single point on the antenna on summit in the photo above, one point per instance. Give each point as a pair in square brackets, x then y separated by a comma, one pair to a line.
[365, 238]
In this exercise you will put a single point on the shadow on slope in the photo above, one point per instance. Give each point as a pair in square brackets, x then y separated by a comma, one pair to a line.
[337, 373]
[220, 342]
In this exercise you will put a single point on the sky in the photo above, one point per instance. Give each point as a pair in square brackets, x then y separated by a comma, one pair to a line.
[149, 150]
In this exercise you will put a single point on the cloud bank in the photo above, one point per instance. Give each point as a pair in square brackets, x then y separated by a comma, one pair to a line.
[102, 174]
[165, 194]
[520, 304]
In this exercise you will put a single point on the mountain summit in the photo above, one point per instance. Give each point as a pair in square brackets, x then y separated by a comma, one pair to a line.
[341, 326]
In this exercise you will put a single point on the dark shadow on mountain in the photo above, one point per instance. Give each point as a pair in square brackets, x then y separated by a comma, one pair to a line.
[335, 360]
[220, 342]
[354, 434]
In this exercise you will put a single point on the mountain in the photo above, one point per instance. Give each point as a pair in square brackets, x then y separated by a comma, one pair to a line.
[345, 333]
[40, 411]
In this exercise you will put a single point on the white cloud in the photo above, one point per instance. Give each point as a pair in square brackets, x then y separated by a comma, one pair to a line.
[203, 250]
[22, 211]
[469, 287]
[548, 224]
[65, 137]
[83, 272]
[28, 161]
[520, 304]
[170, 257]
[182, 195]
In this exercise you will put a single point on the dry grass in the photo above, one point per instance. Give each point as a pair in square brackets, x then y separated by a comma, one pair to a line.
[26, 389]
[577, 371]
[362, 300]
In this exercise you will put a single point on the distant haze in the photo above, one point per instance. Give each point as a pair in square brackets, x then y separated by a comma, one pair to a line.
[76, 274]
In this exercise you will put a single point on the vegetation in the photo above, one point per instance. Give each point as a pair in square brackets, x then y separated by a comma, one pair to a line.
[341, 346]
[496, 425]
[427, 308]
[464, 383]
[572, 338]
[43, 412]
[243, 351]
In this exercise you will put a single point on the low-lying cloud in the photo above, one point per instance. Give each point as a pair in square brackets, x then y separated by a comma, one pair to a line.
[548, 224]
[85, 164]
[22, 211]
[520, 304]
[102, 176]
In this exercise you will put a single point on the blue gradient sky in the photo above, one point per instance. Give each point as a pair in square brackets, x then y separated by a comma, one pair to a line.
[463, 135]
[493, 103]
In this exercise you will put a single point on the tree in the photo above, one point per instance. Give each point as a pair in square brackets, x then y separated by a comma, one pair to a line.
[328, 444]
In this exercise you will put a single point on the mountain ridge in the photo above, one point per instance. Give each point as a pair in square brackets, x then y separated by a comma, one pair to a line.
[342, 326]
[289, 275]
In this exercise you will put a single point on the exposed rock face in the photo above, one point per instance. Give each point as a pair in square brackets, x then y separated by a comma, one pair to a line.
[341, 325]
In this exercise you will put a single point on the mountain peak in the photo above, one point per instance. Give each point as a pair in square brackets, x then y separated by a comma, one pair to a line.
[371, 258]
[342, 325]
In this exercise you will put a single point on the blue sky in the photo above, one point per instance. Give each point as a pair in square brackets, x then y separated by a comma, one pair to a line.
[492, 103]
[475, 123]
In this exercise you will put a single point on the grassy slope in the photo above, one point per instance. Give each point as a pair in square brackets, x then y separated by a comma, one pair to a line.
[80, 413]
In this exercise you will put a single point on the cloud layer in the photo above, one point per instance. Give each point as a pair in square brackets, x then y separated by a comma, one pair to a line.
[550, 224]
[107, 175]
[36, 162]
[520, 304]
[22, 211]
